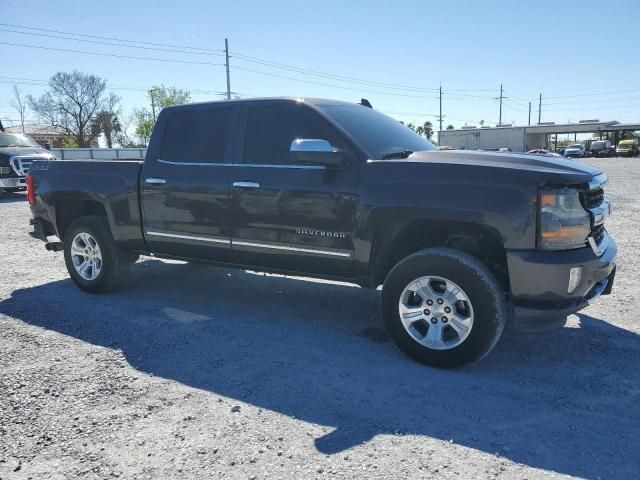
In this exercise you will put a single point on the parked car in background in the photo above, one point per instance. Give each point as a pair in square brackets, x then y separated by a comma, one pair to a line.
[575, 150]
[627, 148]
[542, 151]
[601, 148]
[17, 151]
[446, 147]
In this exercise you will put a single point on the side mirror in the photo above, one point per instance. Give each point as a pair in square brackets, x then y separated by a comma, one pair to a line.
[315, 151]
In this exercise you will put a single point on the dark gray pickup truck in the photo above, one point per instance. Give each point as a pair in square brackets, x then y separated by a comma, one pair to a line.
[17, 151]
[462, 242]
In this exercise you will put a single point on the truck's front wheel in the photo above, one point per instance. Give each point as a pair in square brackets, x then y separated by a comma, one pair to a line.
[443, 308]
[93, 260]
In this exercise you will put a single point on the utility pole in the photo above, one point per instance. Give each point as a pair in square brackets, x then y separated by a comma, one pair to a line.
[153, 103]
[440, 116]
[540, 110]
[500, 117]
[529, 113]
[226, 63]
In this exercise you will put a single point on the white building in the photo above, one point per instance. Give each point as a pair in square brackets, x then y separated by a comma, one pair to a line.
[42, 134]
[521, 139]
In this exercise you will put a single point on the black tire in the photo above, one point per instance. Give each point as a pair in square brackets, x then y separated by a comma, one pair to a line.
[115, 262]
[479, 284]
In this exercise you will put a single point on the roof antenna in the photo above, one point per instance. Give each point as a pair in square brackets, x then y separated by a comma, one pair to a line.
[365, 102]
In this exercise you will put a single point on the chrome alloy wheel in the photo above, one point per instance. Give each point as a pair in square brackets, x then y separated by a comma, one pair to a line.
[86, 256]
[436, 312]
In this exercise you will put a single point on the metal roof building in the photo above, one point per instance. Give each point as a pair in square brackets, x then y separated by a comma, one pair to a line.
[524, 138]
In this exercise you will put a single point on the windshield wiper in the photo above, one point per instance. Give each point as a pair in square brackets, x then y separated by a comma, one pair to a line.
[400, 154]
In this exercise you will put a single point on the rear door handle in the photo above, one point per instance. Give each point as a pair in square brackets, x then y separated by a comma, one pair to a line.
[246, 184]
[155, 181]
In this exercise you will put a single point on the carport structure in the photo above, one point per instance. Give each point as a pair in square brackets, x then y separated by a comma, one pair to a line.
[529, 137]
[541, 134]
[619, 128]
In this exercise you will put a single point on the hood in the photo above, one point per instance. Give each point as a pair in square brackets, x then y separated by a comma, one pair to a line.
[568, 171]
[13, 151]
[6, 152]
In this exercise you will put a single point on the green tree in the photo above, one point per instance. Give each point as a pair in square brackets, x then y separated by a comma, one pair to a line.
[143, 119]
[143, 124]
[450, 127]
[162, 96]
[426, 130]
[69, 142]
[106, 121]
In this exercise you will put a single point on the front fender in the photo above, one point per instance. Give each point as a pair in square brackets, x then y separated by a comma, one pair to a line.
[392, 198]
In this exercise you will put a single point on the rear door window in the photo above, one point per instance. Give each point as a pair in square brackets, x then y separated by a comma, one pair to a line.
[199, 136]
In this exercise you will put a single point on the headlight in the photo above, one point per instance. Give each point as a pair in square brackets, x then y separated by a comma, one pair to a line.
[564, 223]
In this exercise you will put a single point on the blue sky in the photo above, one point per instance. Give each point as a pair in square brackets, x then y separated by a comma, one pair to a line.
[581, 55]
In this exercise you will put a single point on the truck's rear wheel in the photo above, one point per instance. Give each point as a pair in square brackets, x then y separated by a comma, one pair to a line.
[443, 308]
[93, 260]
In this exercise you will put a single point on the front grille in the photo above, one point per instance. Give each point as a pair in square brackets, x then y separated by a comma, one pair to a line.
[592, 198]
[21, 165]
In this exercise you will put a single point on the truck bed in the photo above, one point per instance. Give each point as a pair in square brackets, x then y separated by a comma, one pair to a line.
[110, 184]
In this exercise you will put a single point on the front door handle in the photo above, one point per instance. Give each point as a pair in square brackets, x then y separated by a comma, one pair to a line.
[155, 181]
[246, 184]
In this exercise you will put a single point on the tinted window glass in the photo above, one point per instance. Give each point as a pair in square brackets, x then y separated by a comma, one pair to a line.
[272, 128]
[196, 136]
[377, 133]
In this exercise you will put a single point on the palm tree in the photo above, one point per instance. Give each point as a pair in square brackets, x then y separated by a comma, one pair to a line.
[106, 122]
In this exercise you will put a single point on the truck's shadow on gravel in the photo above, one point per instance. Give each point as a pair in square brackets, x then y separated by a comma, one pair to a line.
[565, 401]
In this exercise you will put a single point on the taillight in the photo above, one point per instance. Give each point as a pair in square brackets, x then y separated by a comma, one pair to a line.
[31, 190]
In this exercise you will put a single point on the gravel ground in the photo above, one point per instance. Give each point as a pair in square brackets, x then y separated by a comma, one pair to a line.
[199, 372]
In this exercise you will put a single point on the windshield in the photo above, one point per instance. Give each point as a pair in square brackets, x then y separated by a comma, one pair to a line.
[378, 134]
[16, 140]
[597, 145]
[626, 143]
[575, 145]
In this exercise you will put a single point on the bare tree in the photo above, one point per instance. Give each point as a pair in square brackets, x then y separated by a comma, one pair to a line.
[19, 104]
[125, 137]
[71, 103]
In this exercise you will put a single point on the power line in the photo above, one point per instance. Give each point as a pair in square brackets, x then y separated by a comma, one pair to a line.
[595, 94]
[205, 51]
[333, 86]
[110, 54]
[34, 82]
[592, 108]
[330, 76]
[593, 101]
[343, 78]
[97, 42]
[219, 52]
